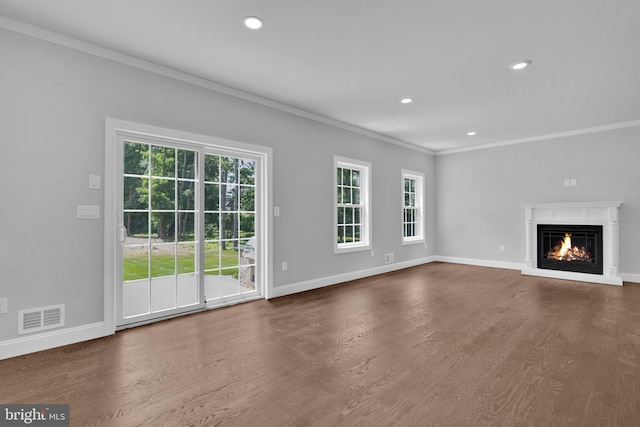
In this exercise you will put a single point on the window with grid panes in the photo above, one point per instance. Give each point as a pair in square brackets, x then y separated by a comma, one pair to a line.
[412, 207]
[352, 205]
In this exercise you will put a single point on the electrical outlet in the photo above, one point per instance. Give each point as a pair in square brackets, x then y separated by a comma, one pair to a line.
[373, 253]
[388, 258]
[501, 248]
[284, 266]
[4, 305]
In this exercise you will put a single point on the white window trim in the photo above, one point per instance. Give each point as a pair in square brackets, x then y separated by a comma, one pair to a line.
[365, 198]
[419, 178]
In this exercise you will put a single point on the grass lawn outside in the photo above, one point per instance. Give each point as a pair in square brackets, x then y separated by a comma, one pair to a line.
[164, 263]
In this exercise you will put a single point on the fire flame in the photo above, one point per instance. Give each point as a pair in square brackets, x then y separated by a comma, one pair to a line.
[566, 246]
[566, 252]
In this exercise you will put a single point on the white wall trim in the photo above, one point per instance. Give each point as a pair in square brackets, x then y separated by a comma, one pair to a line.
[110, 232]
[51, 339]
[575, 132]
[627, 277]
[480, 262]
[95, 50]
[322, 282]
[630, 277]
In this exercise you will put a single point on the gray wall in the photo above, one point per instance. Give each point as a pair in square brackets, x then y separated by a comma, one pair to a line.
[53, 103]
[479, 194]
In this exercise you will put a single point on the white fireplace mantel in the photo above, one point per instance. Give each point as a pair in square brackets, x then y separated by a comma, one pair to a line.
[596, 213]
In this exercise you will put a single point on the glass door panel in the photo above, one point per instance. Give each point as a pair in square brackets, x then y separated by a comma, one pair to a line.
[160, 250]
[189, 234]
[230, 241]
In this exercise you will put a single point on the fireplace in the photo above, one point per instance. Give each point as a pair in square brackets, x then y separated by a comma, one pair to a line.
[573, 241]
[576, 248]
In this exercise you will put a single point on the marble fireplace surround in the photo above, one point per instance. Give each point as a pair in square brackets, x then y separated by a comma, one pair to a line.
[594, 213]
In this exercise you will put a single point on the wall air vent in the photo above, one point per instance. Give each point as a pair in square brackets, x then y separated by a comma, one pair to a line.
[40, 319]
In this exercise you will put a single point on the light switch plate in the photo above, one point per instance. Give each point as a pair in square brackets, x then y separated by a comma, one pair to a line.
[94, 182]
[87, 212]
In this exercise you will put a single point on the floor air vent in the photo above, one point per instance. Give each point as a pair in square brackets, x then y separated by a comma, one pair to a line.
[40, 319]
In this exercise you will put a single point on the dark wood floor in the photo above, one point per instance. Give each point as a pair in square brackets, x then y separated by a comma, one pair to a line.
[439, 344]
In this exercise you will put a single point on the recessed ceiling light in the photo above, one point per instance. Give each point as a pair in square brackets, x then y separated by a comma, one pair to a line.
[406, 100]
[471, 133]
[520, 64]
[253, 22]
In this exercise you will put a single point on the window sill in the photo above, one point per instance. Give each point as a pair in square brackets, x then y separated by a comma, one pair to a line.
[349, 249]
[413, 241]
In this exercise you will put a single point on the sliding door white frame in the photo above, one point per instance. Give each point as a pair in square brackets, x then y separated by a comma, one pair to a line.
[116, 129]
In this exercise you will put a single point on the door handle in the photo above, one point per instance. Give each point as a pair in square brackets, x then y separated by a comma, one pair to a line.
[122, 233]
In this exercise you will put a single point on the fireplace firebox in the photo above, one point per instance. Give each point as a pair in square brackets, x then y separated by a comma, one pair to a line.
[576, 248]
[581, 215]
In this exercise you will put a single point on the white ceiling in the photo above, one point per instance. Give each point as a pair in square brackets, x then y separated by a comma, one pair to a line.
[353, 60]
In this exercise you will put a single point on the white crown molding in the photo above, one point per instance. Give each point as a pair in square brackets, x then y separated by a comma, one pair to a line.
[92, 49]
[594, 129]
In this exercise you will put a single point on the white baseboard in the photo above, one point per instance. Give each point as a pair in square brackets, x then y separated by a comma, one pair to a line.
[629, 277]
[308, 285]
[481, 262]
[626, 277]
[51, 339]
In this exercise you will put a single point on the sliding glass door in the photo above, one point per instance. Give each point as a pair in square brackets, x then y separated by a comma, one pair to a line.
[187, 228]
